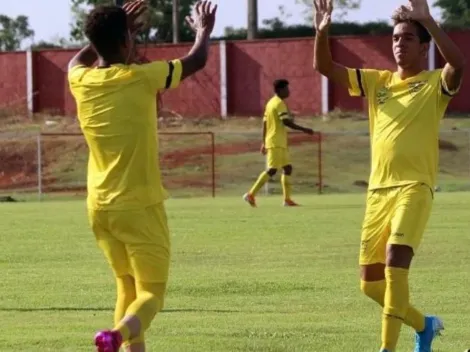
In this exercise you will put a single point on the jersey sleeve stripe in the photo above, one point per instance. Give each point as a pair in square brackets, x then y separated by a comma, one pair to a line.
[359, 82]
[169, 79]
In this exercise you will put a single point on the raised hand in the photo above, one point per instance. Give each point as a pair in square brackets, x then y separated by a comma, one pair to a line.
[417, 10]
[204, 18]
[134, 10]
[322, 15]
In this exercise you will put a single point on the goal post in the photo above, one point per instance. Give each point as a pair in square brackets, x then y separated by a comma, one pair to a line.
[187, 163]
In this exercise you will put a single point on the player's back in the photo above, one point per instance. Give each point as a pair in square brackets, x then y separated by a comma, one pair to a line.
[116, 108]
[276, 132]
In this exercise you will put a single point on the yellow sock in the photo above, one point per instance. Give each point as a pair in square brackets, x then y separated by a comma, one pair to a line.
[125, 296]
[286, 186]
[141, 312]
[376, 291]
[262, 179]
[396, 302]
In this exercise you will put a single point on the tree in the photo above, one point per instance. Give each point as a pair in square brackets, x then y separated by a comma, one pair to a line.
[341, 7]
[54, 43]
[159, 29]
[455, 13]
[13, 31]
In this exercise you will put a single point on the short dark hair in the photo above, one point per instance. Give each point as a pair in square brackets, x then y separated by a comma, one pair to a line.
[106, 28]
[423, 34]
[280, 84]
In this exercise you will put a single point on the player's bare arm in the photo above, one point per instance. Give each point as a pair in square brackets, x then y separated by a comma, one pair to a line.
[263, 147]
[322, 58]
[292, 125]
[202, 23]
[87, 56]
[418, 10]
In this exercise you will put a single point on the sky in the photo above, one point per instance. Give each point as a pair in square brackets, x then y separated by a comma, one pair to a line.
[49, 26]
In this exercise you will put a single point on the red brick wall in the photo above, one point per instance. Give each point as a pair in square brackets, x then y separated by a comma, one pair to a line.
[251, 68]
[13, 90]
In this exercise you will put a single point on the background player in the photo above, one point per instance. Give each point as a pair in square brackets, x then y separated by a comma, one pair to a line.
[405, 109]
[117, 112]
[276, 118]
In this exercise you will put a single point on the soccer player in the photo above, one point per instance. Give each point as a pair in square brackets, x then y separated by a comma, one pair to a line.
[405, 109]
[117, 113]
[276, 118]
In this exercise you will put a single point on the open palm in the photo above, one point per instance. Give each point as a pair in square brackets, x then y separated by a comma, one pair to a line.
[322, 15]
[418, 9]
[204, 17]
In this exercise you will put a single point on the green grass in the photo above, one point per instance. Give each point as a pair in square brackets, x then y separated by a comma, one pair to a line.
[266, 279]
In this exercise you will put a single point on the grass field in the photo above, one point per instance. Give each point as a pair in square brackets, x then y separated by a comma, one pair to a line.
[266, 279]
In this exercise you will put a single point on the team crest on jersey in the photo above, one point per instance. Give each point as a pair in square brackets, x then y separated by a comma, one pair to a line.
[383, 95]
[415, 87]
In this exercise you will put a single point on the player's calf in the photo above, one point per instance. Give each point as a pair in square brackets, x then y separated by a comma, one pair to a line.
[249, 197]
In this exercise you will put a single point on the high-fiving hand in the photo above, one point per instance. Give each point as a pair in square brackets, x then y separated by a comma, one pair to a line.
[204, 18]
[417, 10]
[322, 15]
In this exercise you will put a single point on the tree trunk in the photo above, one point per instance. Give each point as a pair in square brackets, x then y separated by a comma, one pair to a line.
[176, 22]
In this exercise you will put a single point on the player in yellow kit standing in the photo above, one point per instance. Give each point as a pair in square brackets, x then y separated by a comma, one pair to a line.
[276, 118]
[117, 113]
[405, 110]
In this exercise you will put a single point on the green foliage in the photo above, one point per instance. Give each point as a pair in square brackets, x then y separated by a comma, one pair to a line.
[455, 13]
[277, 29]
[160, 22]
[13, 31]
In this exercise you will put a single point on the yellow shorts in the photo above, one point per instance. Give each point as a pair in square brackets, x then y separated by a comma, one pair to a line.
[395, 215]
[135, 242]
[277, 158]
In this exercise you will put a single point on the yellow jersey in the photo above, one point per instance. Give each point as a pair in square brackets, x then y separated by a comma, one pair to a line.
[404, 120]
[276, 132]
[117, 111]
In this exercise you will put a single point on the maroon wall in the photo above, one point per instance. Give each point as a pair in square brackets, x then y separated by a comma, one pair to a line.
[251, 68]
[13, 90]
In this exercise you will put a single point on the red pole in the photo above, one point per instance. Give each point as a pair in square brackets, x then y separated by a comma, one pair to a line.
[213, 163]
[320, 166]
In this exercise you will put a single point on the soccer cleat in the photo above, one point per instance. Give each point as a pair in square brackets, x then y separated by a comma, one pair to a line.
[433, 327]
[290, 203]
[108, 341]
[250, 199]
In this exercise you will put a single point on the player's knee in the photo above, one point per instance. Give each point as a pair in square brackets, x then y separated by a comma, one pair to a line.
[373, 272]
[288, 170]
[271, 172]
[399, 256]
